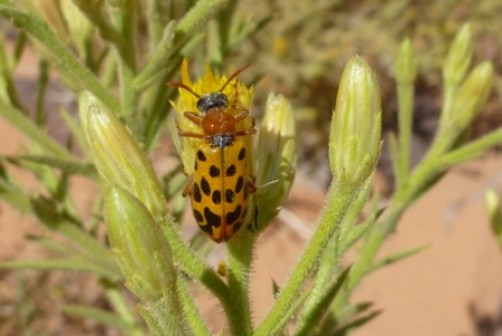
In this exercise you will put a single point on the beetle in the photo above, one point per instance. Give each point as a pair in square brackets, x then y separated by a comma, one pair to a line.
[221, 183]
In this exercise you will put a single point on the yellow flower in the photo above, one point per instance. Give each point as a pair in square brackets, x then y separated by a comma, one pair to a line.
[239, 96]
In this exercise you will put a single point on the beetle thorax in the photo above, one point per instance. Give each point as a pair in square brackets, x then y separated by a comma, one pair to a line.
[218, 122]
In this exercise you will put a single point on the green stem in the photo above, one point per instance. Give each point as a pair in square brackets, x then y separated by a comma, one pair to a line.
[239, 263]
[427, 171]
[196, 268]
[43, 79]
[340, 197]
[198, 326]
[126, 49]
[405, 98]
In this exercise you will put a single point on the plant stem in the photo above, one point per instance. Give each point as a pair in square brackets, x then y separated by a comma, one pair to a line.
[239, 262]
[340, 197]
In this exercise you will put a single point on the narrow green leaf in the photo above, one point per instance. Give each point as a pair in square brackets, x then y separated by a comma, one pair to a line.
[36, 134]
[75, 129]
[398, 256]
[280, 328]
[43, 80]
[90, 247]
[70, 166]
[396, 159]
[53, 245]
[195, 320]
[472, 150]
[342, 317]
[121, 305]
[15, 196]
[346, 329]
[359, 230]
[99, 315]
[67, 264]
[161, 57]
[322, 306]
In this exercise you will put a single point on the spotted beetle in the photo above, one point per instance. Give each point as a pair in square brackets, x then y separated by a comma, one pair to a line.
[221, 183]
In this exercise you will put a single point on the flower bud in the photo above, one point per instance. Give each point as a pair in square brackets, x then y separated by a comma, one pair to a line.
[354, 144]
[406, 65]
[459, 57]
[117, 157]
[78, 25]
[493, 208]
[277, 154]
[471, 97]
[143, 255]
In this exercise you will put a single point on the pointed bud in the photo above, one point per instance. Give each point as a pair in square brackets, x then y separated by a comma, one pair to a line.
[117, 156]
[406, 64]
[459, 57]
[355, 137]
[143, 255]
[493, 207]
[277, 154]
[471, 97]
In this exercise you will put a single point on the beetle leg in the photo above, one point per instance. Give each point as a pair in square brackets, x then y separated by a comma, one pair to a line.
[252, 184]
[191, 135]
[194, 117]
[243, 115]
[249, 131]
[188, 187]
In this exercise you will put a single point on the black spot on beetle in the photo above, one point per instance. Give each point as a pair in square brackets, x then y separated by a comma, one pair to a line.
[216, 197]
[206, 228]
[214, 171]
[239, 184]
[198, 216]
[201, 156]
[212, 219]
[234, 215]
[237, 226]
[197, 197]
[204, 185]
[229, 196]
[242, 154]
[231, 170]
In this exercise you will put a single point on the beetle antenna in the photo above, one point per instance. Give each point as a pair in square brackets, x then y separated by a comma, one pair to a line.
[235, 74]
[182, 86]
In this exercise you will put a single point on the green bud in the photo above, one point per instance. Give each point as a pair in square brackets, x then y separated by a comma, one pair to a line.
[277, 154]
[118, 158]
[143, 255]
[471, 97]
[406, 64]
[492, 205]
[354, 144]
[459, 57]
[78, 25]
